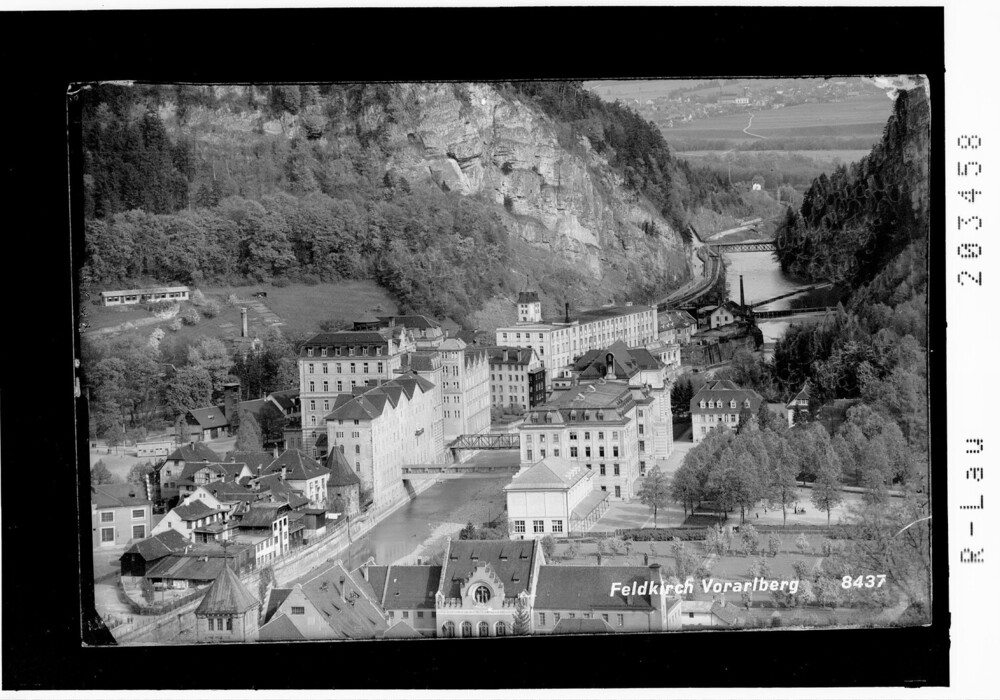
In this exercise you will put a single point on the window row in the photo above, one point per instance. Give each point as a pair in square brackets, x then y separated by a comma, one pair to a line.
[500, 629]
[543, 618]
[538, 526]
[338, 350]
[325, 368]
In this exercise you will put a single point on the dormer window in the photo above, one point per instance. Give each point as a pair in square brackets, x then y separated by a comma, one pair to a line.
[309, 352]
[322, 352]
[732, 404]
[703, 403]
[747, 403]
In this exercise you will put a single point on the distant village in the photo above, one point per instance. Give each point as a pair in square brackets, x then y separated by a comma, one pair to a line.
[383, 410]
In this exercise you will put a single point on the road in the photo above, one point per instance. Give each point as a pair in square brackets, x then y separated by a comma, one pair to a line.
[746, 130]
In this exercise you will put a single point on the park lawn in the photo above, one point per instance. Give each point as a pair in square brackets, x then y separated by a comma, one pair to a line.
[302, 307]
[734, 568]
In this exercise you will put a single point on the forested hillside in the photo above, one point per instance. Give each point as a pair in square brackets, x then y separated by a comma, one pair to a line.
[852, 223]
[447, 195]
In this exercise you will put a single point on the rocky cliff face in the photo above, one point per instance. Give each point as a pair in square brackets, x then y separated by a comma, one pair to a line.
[565, 203]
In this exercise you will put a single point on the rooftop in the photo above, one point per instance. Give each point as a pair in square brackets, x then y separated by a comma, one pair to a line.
[341, 473]
[410, 587]
[511, 561]
[596, 395]
[227, 595]
[194, 452]
[118, 495]
[550, 473]
[298, 466]
[589, 587]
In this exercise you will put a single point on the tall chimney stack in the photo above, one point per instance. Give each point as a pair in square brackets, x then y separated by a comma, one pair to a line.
[567, 312]
[243, 319]
[743, 307]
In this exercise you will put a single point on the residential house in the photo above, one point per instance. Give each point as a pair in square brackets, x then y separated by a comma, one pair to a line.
[618, 596]
[171, 469]
[719, 404]
[302, 473]
[406, 594]
[799, 402]
[594, 425]
[119, 514]
[197, 474]
[676, 327]
[265, 527]
[482, 583]
[724, 314]
[228, 612]
[143, 296]
[190, 516]
[255, 461]
[517, 377]
[335, 604]
[553, 497]
[286, 401]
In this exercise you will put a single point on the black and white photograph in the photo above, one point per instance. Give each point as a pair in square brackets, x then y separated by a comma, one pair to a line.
[396, 360]
[447, 362]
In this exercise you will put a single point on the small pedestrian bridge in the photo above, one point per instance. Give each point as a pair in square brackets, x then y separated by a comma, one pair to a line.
[412, 472]
[745, 246]
[782, 313]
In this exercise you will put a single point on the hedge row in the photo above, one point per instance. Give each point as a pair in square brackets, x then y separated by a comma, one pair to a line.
[664, 534]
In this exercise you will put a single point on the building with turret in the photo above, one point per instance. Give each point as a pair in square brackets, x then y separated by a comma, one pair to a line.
[228, 612]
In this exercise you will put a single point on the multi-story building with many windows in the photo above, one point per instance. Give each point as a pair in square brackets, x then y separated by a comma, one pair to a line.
[465, 389]
[719, 403]
[331, 364]
[646, 377]
[560, 343]
[381, 428]
[591, 424]
[517, 377]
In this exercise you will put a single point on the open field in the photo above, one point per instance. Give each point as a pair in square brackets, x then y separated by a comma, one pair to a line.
[302, 307]
[856, 117]
[626, 90]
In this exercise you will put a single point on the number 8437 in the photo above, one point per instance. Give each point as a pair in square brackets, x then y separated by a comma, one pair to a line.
[870, 581]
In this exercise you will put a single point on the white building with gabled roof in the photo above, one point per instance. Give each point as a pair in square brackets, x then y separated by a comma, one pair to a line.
[553, 497]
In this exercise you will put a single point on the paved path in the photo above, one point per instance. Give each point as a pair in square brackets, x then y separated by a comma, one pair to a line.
[268, 316]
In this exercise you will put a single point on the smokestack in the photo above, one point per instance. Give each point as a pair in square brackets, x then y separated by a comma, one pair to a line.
[567, 312]
[743, 307]
[243, 318]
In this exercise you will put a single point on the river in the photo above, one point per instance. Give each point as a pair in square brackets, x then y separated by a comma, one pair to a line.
[763, 279]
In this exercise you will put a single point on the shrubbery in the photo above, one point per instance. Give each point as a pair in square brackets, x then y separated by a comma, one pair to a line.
[190, 316]
[665, 534]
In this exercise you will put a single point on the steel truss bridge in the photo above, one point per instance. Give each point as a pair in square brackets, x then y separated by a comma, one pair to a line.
[487, 441]
[745, 246]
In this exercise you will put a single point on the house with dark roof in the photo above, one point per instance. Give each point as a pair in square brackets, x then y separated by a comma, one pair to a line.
[676, 326]
[228, 612]
[119, 514]
[197, 565]
[343, 486]
[188, 517]
[335, 604]
[623, 597]
[725, 313]
[302, 473]
[554, 496]
[170, 470]
[286, 401]
[144, 554]
[718, 404]
[482, 583]
[255, 461]
[799, 402]
[406, 594]
[265, 527]
[426, 332]
[197, 474]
